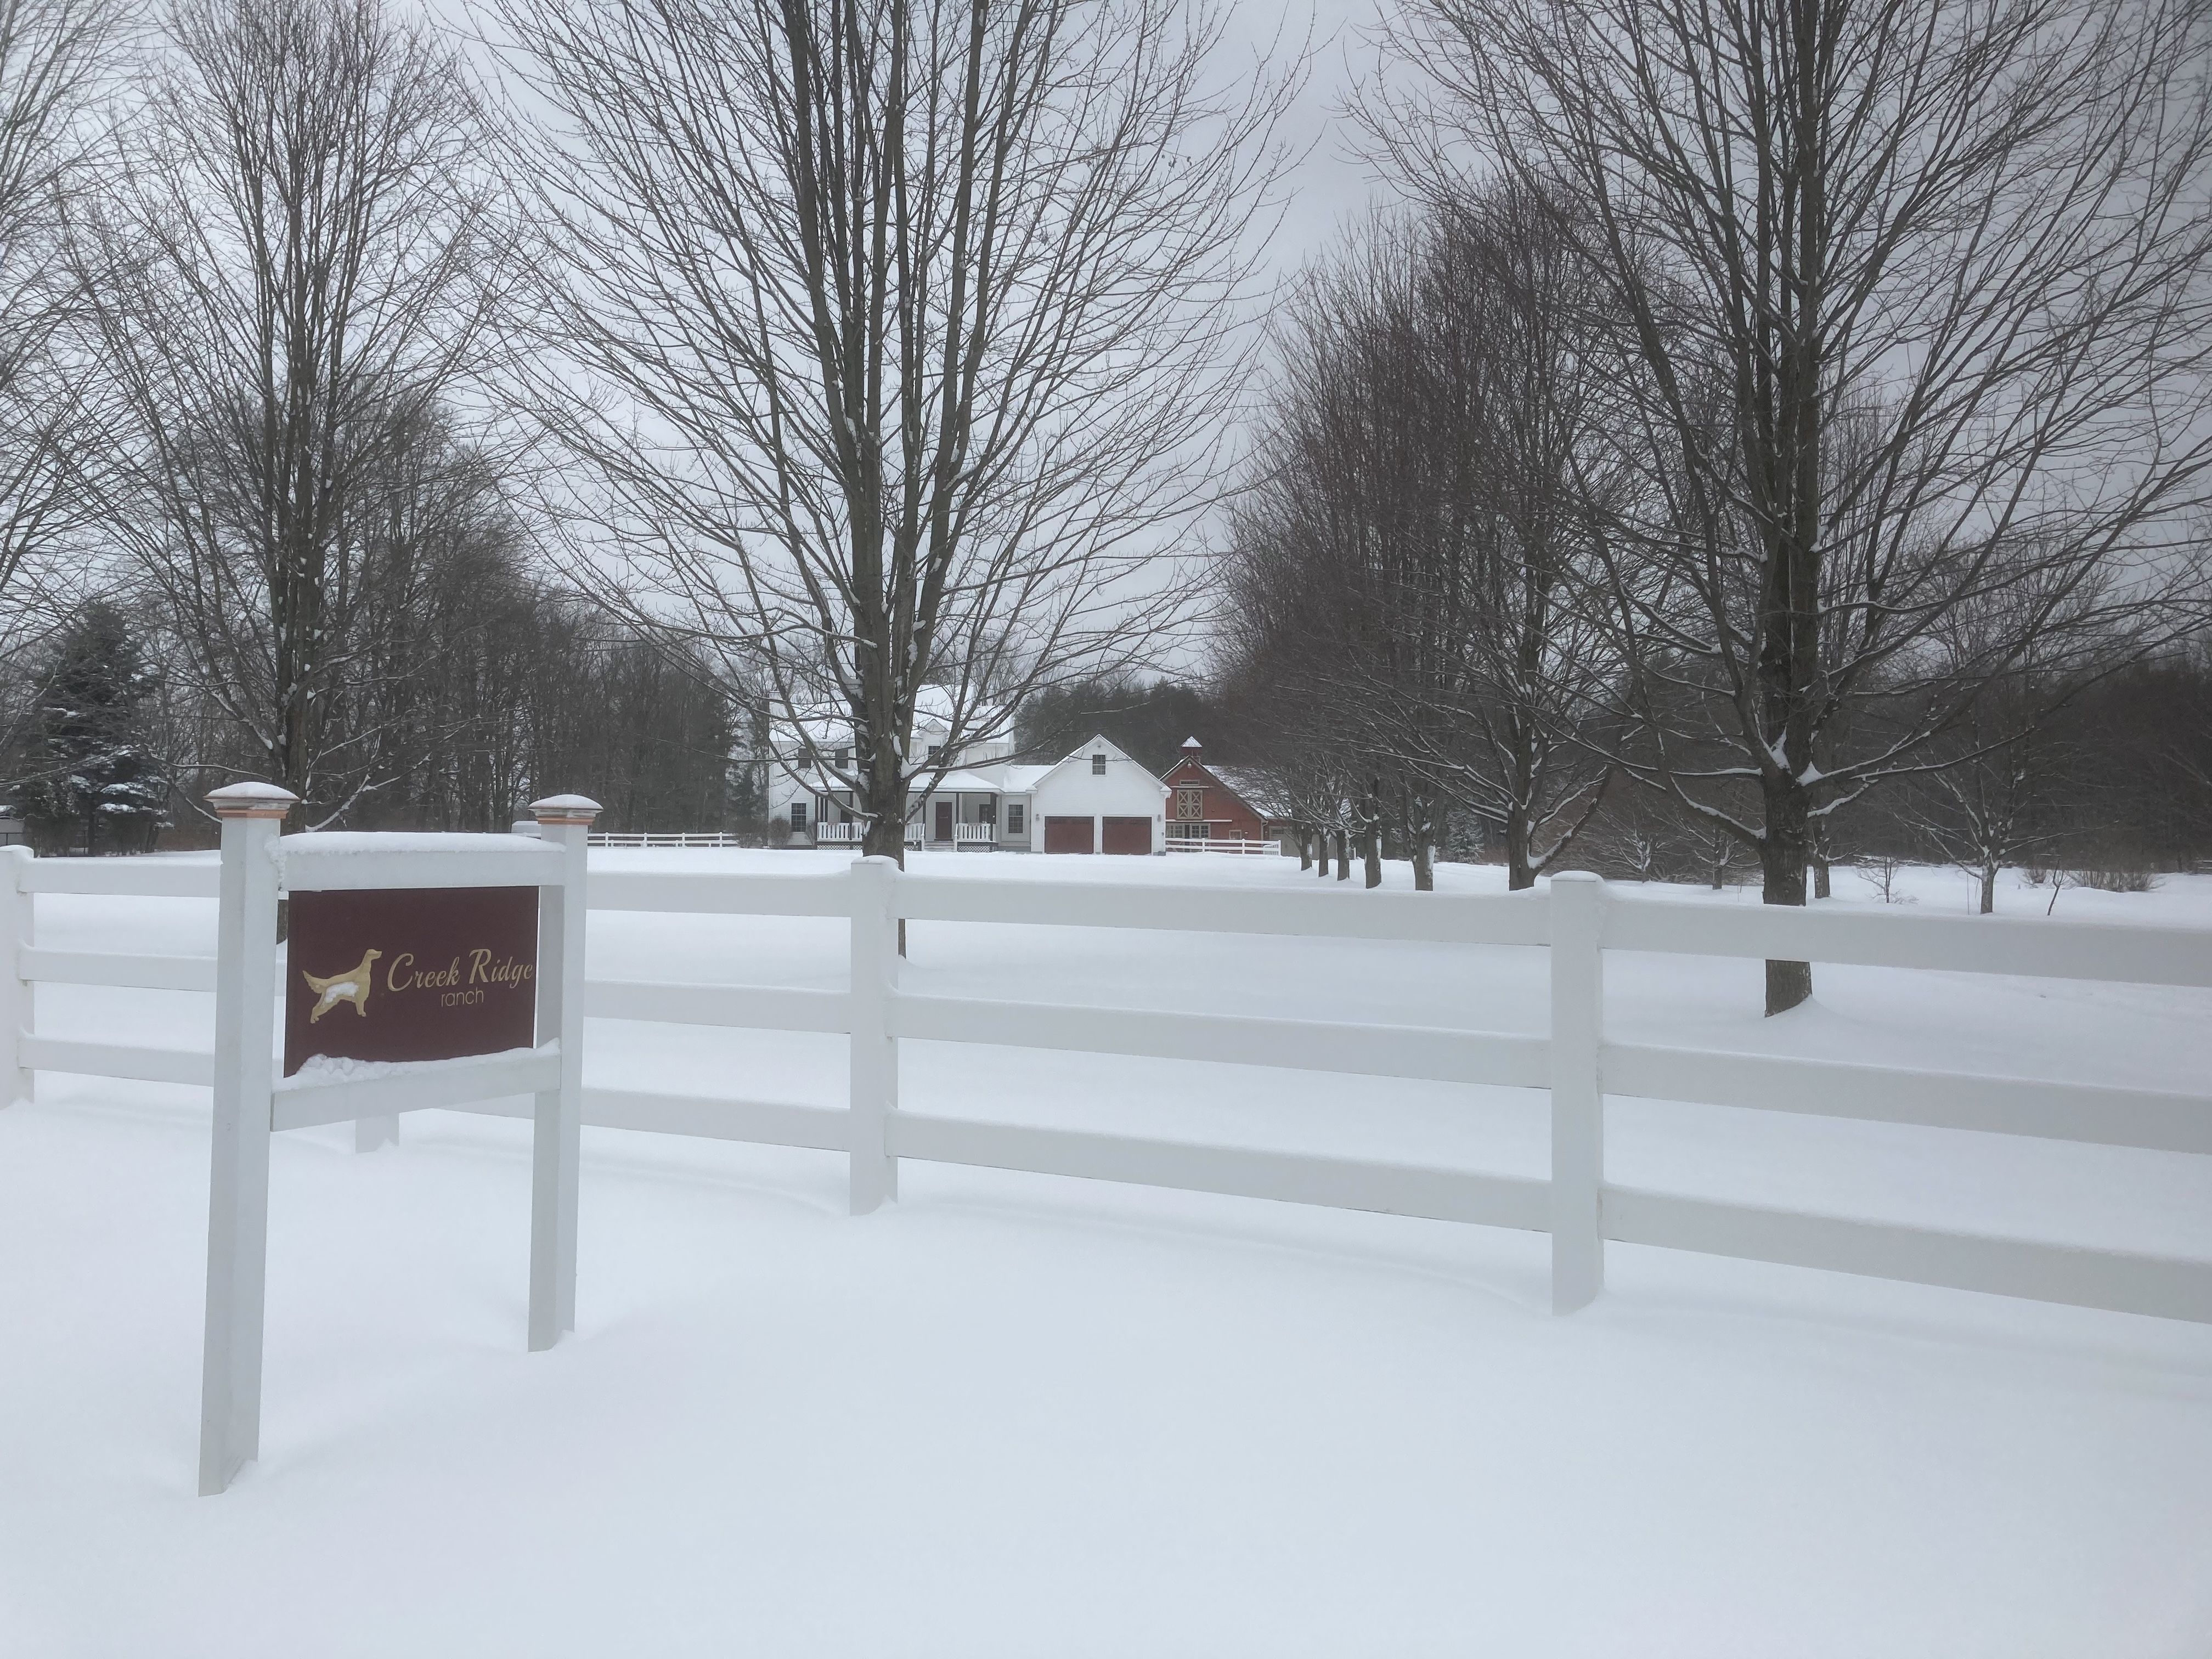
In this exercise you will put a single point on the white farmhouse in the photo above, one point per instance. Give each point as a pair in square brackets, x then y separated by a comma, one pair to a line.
[1096, 801]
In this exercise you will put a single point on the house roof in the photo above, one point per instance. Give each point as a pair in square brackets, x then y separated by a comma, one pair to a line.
[994, 777]
[969, 779]
[933, 708]
[990, 778]
[1084, 753]
[1254, 789]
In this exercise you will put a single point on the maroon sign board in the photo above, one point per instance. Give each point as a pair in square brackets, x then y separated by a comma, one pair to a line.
[396, 974]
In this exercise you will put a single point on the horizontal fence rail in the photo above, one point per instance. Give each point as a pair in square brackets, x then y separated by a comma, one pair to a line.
[1403, 1051]
[715, 839]
[1577, 921]
[1885, 1094]
[1438, 918]
[2034, 948]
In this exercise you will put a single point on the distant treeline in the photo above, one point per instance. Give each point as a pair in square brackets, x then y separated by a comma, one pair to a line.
[2118, 778]
[512, 690]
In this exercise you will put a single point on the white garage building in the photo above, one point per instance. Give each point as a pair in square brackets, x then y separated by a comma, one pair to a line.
[1098, 800]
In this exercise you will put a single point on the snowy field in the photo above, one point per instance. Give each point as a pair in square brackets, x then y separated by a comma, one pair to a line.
[1027, 1416]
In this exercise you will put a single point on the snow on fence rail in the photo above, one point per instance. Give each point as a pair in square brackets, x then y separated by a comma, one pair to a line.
[1219, 844]
[715, 839]
[1578, 919]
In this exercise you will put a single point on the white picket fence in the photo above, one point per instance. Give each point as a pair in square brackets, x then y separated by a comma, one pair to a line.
[1579, 919]
[702, 839]
[1210, 844]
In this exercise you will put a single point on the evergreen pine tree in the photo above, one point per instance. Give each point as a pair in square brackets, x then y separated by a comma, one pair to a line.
[86, 772]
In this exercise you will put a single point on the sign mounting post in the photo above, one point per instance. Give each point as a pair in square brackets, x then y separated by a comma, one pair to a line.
[565, 821]
[238, 1180]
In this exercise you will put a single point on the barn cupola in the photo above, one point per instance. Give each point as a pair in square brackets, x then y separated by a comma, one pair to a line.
[1194, 750]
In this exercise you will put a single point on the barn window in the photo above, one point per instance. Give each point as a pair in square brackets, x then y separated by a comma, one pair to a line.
[1098, 766]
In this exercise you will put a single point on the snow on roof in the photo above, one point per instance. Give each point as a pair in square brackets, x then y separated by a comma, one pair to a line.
[995, 777]
[933, 710]
[1191, 742]
[966, 779]
[1255, 789]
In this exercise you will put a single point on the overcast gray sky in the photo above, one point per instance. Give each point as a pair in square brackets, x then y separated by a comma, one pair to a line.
[1330, 187]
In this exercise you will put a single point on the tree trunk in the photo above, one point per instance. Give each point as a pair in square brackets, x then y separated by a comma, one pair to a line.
[1783, 858]
[1305, 848]
[1988, 886]
[1518, 875]
[1343, 855]
[1421, 833]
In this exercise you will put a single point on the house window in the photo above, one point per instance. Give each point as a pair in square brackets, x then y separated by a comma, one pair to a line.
[986, 811]
[935, 749]
[799, 815]
[1098, 766]
[844, 758]
[1014, 817]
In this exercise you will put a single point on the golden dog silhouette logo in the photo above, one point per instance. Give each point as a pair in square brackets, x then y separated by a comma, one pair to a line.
[352, 986]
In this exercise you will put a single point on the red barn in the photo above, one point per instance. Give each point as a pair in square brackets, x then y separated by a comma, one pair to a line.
[1205, 804]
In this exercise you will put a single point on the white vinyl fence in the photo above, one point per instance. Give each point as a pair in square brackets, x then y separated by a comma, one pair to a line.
[704, 839]
[1579, 919]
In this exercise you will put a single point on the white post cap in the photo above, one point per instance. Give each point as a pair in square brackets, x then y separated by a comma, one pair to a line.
[565, 809]
[251, 801]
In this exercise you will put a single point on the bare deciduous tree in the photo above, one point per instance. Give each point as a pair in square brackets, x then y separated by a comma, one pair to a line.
[54, 56]
[879, 324]
[1410, 556]
[296, 277]
[1919, 304]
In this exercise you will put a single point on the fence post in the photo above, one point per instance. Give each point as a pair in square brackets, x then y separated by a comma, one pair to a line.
[18, 995]
[556, 1137]
[252, 814]
[1578, 907]
[874, 1050]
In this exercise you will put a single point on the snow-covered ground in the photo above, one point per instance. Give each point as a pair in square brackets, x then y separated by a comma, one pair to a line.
[1022, 1415]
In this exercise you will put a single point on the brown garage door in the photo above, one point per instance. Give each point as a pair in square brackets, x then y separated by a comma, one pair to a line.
[1068, 835]
[1128, 835]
